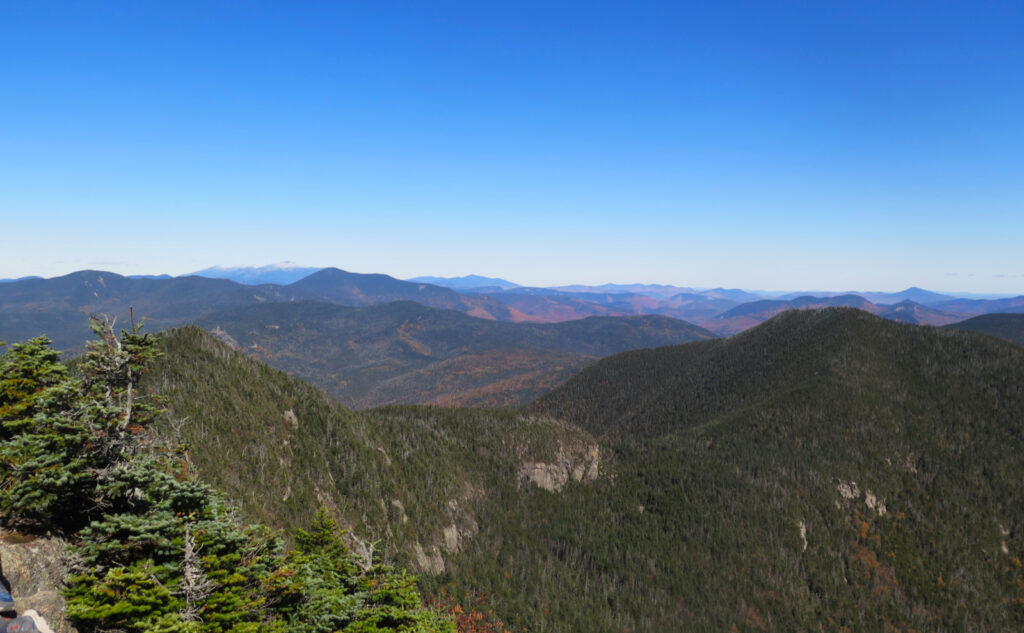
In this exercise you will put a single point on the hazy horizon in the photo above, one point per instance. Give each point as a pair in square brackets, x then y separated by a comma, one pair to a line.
[767, 292]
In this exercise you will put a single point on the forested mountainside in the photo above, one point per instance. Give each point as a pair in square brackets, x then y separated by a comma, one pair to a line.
[416, 480]
[404, 352]
[1009, 327]
[115, 520]
[826, 469]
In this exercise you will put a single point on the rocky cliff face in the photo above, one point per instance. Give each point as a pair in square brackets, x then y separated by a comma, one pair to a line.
[34, 569]
[579, 461]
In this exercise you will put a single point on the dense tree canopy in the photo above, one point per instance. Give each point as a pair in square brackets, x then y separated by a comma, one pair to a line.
[153, 548]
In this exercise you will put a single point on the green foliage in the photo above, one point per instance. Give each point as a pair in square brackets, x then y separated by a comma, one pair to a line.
[714, 454]
[112, 368]
[46, 469]
[32, 381]
[155, 549]
[132, 598]
[340, 595]
[271, 442]
[63, 437]
[726, 449]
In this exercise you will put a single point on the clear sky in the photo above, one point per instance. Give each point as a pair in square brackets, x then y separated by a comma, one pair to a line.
[777, 145]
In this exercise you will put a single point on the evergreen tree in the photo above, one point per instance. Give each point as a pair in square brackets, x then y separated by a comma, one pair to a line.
[324, 588]
[155, 550]
[45, 466]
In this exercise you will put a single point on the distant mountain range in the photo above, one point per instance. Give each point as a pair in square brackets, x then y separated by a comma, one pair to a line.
[56, 306]
[469, 282]
[826, 465]
[915, 294]
[750, 314]
[7, 281]
[59, 306]
[357, 289]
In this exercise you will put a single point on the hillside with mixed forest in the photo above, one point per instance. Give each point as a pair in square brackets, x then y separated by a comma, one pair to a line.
[405, 352]
[828, 468]
[416, 480]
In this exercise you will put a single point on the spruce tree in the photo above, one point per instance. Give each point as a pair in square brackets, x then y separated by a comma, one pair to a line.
[46, 480]
[154, 549]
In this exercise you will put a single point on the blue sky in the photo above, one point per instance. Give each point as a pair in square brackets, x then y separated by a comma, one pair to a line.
[774, 145]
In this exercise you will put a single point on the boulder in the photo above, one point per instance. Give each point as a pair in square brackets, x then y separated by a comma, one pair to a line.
[34, 569]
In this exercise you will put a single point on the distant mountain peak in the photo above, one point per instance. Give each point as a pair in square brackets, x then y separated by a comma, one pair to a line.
[467, 282]
[281, 273]
[913, 293]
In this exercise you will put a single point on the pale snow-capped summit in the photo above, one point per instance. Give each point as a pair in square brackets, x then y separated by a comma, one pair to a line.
[282, 273]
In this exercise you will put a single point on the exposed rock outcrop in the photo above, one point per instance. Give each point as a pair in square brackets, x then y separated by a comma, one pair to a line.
[224, 337]
[578, 462]
[35, 569]
[428, 560]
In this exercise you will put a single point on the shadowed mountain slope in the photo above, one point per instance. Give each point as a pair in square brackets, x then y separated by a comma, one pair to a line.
[57, 306]
[407, 352]
[1009, 327]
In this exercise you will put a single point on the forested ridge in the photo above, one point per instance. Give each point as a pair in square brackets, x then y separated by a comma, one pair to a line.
[828, 470]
